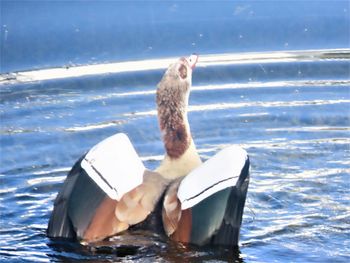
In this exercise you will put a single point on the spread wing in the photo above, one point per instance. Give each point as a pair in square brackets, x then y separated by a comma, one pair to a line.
[59, 223]
[107, 190]
[83, 210]
[207, 206]
[112, 217]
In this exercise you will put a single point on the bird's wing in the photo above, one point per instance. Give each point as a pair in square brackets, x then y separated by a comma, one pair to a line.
[211, 199]
[108, 190]
[111, 216]
[171, 212]
[59, 223]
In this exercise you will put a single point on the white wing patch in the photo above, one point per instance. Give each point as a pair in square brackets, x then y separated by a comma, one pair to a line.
[217, 173]
[114, 165]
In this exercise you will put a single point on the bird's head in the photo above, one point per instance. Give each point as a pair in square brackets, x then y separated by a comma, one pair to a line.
[176, 82]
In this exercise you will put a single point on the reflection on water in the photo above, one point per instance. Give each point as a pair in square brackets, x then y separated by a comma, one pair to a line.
[156, 64]
[291, 116]
[140, 246]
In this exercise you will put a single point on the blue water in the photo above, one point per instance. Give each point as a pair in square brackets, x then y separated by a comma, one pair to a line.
[291, 115]
[38, 34]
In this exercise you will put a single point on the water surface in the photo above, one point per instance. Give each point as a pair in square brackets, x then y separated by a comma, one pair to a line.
[288, 105]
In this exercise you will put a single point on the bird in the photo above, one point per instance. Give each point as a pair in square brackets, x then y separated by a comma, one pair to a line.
[104, 194]
[109, 190]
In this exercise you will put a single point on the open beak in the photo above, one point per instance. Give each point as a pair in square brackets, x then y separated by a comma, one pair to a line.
[192, 60]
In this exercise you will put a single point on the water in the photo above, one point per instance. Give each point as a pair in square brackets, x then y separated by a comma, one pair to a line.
[287, 105]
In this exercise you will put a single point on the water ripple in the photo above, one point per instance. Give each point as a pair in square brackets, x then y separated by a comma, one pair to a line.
[265, 104]
[295, 127]
[205, 61]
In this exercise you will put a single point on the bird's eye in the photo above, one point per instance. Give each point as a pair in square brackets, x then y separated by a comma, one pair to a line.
[183, 71]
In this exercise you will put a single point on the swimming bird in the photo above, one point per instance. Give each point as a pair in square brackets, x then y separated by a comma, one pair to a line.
[108, 189]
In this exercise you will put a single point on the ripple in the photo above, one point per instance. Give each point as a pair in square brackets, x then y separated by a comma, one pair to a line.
[265, 104]
[87, 127]
[41, 180]
[294, 144]
[310, 129]
[94, 126]
[249, 85]
[154, 64]
[51, 171]
[298, 194]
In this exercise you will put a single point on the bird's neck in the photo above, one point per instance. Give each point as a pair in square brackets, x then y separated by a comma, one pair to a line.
[181, 154]
[172, 168]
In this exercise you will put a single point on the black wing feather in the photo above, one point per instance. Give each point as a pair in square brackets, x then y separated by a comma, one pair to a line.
[59, 224]
[228, 233]
[217, 219]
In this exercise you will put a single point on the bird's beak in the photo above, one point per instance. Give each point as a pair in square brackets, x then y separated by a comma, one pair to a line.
[192, 60]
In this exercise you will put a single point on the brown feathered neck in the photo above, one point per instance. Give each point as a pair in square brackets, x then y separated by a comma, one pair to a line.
[172, 103]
